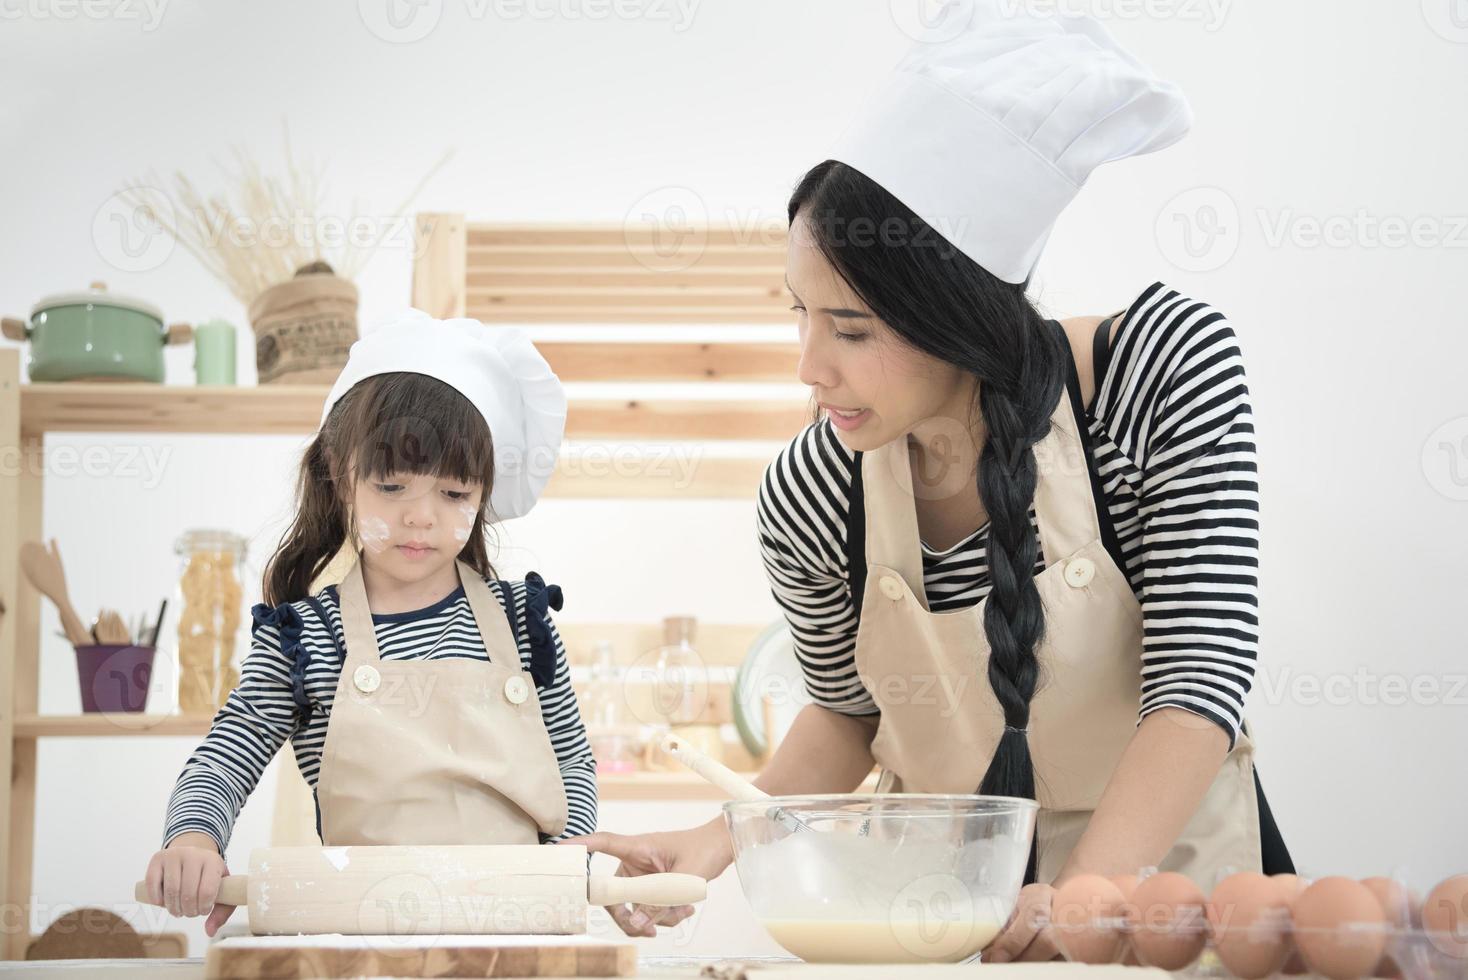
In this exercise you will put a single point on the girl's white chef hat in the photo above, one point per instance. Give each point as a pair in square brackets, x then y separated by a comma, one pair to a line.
[988, 133]
[498, 370]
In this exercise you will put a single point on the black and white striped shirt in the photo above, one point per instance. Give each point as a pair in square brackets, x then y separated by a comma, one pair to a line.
[264, 709]
[1173, 436]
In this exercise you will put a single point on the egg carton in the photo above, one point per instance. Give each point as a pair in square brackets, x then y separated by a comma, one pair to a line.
[1254, 935]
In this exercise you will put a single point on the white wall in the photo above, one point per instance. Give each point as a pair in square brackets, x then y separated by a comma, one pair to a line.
[1308, 110]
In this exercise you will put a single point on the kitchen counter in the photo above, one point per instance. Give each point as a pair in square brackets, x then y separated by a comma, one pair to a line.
[663, 967]
[657, 967]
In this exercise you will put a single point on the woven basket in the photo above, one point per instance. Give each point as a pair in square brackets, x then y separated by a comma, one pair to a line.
[304, 327]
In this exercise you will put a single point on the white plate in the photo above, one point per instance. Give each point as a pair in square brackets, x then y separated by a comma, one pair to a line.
[770, 669]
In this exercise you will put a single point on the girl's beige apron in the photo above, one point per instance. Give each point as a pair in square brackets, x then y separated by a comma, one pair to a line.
[450, 751]
[928, 672]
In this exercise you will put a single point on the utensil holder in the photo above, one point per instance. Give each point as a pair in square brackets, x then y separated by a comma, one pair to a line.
[114, 677]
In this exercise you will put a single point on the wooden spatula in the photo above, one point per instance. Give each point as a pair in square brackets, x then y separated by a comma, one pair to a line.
[43, 568]
[441, 889]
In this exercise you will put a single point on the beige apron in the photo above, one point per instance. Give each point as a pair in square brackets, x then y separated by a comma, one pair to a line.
[450, 751]
[928, 672]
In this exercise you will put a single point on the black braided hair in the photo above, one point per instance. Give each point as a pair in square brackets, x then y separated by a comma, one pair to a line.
[945, 304]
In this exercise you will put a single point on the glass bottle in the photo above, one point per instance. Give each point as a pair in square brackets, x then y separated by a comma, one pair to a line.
[682, 677]
[210, 610]
[612, 740]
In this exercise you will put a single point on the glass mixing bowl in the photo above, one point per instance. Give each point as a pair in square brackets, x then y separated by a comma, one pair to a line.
[885, 878]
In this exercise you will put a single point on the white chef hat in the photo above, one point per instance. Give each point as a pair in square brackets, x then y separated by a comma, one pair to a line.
[988, 134]
[498, 370]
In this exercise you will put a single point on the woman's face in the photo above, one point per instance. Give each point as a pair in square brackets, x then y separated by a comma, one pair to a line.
[411, 525]
[874, 386]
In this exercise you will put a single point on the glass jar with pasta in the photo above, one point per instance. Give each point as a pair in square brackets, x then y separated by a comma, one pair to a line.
[210, 608]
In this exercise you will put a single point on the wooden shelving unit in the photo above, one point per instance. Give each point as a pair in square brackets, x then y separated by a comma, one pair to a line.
[495, 273]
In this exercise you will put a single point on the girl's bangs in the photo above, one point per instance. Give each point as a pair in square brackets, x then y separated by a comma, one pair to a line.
[411, 423]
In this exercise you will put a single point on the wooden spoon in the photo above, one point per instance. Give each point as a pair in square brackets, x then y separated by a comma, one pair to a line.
[43, 568]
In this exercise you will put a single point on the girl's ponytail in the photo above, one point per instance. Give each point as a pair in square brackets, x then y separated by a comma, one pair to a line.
[315, 536]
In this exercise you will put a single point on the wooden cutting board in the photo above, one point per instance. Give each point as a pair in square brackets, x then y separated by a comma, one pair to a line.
[290, 957]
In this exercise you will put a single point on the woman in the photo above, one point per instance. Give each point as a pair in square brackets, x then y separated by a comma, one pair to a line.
[1018, 557]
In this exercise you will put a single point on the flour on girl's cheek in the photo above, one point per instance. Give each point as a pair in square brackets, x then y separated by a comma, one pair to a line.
[374, 533]
[465, 524]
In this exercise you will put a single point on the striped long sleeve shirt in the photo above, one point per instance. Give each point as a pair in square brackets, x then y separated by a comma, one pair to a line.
[1173, 434]
[262, 712]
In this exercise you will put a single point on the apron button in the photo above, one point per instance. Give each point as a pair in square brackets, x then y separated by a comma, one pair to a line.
[891, 588]
[516, 690]
[1079, 572]
[366, 678]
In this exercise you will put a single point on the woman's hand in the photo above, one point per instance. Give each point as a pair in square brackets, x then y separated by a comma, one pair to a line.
[704, 851]
[184, 878]
[1028, 936]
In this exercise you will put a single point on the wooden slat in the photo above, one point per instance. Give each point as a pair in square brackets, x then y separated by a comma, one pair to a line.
[718, 644]
[539, 278]
[621, 274]
[725, 313]
[614, 297]
[766, 237]
[661, 362]
[296, 409]
[12, 885]
[730, 478]
[23, 496]
[700, 420]
[712, 260]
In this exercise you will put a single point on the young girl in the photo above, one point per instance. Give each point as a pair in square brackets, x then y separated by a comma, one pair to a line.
[428, 701]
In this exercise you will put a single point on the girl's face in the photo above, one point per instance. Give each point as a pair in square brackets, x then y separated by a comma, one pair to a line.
[412, 525]
[874, 386]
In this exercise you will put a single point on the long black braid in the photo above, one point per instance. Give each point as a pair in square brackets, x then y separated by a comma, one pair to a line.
[943, 303]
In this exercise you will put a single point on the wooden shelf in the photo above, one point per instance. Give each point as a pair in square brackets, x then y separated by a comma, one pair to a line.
[630, 786]
[106, 724]
[296, 410]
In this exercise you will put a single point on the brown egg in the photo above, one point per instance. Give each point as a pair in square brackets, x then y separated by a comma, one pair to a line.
[1290, 886]
[1086, 915]
[1396, 901]
[1169, 926]
[1340, 928]
[1445, 916]
[1127, 884]
[1249, 918]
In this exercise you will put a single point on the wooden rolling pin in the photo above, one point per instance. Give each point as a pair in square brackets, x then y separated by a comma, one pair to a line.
[496, 889]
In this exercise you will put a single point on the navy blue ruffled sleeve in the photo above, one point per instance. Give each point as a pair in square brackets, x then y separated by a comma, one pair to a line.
[288, 623]
[539, 600]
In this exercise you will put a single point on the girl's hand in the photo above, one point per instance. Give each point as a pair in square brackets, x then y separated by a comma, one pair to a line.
[704, 851]
[1028, 937]
[184, 878]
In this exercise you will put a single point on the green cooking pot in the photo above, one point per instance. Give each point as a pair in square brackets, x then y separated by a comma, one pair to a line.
[95, 336]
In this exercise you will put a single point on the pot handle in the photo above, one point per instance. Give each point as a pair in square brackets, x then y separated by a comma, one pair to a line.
[178, 333]
[15, 329]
